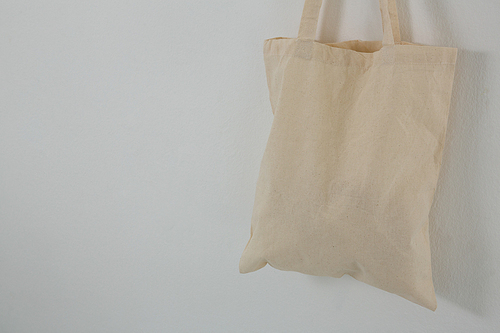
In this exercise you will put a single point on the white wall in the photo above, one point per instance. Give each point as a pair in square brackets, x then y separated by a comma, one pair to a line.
[131, 134]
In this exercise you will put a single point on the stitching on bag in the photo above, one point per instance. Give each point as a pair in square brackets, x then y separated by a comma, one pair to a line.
[304, 49]
[381, 63]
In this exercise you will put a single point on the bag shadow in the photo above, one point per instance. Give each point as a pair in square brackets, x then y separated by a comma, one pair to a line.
[457, 234]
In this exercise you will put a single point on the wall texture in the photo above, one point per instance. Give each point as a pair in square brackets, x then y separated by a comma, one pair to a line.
[131, 134]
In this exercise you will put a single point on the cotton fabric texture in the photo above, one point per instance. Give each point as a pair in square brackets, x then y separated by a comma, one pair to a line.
[348, 176]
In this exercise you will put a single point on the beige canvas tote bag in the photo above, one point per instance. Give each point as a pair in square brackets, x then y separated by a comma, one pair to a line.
[348, 176]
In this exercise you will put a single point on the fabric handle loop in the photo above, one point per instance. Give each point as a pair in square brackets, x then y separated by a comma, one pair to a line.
[388, 9]
[309, 21]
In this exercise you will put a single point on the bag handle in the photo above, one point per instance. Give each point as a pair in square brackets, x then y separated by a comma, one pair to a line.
[388, 9]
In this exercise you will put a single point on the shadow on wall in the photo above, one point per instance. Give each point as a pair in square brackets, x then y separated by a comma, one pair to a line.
[458, 236]
[459, 258]
[459, 255]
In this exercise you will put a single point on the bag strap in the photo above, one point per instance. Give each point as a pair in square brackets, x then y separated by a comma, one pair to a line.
[388, 9]
[390, 22]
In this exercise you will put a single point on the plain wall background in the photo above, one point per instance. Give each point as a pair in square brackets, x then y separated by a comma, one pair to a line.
[131, 134]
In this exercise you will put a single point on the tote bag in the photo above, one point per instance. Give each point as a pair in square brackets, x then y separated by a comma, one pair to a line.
[350, 168]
